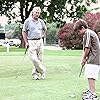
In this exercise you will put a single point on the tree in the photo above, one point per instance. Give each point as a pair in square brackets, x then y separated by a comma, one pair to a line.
[97, 25]
[70, 40]
[52, 10]
[91, 19]
[1, 29]
[51, 37]
[65, 36]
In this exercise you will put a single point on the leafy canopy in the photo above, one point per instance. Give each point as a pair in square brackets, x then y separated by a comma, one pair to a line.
[52, 10]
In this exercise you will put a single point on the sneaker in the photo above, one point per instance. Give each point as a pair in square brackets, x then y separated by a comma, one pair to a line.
[86, 95]
[35, 77]
[43, 76]
[86, 92]
[94, 97]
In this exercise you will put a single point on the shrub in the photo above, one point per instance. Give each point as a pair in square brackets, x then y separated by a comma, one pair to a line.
[67, 38]
[51, 37]
[70, 40]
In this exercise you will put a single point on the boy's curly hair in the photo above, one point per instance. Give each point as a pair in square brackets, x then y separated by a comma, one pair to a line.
[79, 23]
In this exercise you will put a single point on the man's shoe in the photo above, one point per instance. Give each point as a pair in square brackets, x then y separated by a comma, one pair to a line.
[35, 77]
[43, 76]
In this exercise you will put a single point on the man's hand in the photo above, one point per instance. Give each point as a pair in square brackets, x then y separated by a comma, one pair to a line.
[27, 45]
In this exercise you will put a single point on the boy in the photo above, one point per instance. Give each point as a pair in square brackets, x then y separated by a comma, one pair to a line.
[90, 58]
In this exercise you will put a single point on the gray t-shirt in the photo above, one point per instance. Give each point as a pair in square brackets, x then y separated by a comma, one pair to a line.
[34, 29]
[91, 40]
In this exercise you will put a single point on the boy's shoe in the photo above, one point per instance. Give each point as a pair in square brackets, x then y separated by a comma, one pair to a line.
[87, 95]
[94, 97]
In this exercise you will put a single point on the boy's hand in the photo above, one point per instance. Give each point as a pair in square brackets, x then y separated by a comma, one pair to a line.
[83, 62]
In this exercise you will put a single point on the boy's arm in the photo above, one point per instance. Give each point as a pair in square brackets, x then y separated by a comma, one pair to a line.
[85, 55]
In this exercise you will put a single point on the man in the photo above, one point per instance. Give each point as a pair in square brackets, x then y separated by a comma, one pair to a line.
[33, 30]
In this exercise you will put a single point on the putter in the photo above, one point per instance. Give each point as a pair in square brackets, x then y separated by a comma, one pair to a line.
[73, 95]
[81, 70]
[24, 55]
[22, 61]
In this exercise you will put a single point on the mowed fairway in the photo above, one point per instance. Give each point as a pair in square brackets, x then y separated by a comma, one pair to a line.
[63, 67]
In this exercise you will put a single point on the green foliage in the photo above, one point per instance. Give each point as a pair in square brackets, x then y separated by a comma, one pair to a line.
[91, 19]
[51, 37]
[10, 26]
[52, 10]
[13, 30]
[1, 29]
[1, 26]
[17, 31]
[97, 26]
[71, 40]
[67, 38]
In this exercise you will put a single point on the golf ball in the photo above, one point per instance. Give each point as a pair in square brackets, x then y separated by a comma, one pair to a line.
[72, 96]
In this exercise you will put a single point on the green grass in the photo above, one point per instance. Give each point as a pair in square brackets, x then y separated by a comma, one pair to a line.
[63, 68]
[11, 49]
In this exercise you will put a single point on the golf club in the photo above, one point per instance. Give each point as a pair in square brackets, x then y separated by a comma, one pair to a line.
[81, 70]
[73, 95]
[22, 61]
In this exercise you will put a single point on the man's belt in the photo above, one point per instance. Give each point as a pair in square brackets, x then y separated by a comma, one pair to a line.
[35, 39]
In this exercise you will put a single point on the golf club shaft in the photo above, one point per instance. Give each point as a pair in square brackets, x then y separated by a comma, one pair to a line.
[77, 82]
[22, 62]
[79, 76]
[25, 51]
[81, 70]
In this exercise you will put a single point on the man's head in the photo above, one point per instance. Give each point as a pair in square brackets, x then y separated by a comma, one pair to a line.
[80, 26]
[36, 12]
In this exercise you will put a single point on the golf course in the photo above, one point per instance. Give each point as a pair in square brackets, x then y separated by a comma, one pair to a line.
[62, 76]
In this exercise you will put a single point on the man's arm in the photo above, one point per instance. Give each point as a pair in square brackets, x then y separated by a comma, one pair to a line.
[44, 28]
[44, 32]
[25, 39]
